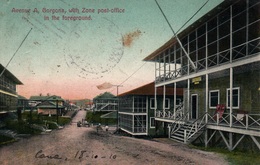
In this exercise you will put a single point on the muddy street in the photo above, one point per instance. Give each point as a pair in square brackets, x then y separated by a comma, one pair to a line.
[84, 145]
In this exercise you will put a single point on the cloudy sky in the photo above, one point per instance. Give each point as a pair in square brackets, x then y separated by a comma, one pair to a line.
[67, 57]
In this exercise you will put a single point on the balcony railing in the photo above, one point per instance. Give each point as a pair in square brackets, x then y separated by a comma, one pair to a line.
[238, 120]
[245, 121]
[239, 52]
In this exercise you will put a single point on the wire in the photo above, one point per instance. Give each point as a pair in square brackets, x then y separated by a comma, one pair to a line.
[133, 73]
[172, 31]
[177, 38]
[192, 16]
[15, 53]
[120, 85]
[175, 34]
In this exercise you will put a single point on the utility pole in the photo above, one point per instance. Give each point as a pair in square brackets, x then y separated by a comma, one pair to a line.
[57, 111]
[117, 105]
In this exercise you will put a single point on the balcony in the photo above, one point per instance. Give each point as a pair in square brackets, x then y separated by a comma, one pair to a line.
[237, 53]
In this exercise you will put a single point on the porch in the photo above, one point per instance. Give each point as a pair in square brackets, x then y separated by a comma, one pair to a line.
[231, 127]
[235, 119]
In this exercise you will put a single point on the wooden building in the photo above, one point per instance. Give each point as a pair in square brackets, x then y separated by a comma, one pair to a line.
[216, 61]
[48, 105]
[105, 102]
[137, 109]
[8, 94]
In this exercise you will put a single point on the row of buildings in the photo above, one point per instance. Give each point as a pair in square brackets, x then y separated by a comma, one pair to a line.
[207, 82]
[11, 102]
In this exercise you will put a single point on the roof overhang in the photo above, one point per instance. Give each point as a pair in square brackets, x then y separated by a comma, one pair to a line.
[149, 90]
[9, 75]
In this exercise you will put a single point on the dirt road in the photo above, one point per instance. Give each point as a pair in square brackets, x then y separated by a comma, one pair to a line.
[83, 145]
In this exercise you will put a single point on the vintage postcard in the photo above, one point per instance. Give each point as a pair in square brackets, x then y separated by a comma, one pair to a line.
[128, 82]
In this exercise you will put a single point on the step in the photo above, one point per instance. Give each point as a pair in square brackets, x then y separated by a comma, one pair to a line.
[177, 139]
[178, 134]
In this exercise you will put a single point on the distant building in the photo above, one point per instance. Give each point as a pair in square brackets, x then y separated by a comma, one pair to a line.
[8, 94]
[23, 102]
[48, 105]
[106, 102]
[137, 110]
[217, 62]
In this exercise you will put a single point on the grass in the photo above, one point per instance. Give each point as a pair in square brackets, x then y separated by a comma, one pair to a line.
[235, 157]
[6, 140]
[23, 127]
[20, 127]
[39, 119]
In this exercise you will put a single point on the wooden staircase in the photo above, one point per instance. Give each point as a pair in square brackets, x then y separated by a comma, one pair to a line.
[188, 131]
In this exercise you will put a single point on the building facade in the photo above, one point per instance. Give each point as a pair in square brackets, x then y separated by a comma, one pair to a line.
[8, 94]
[216, 61]
[137, 109]
[48, 105]
[105, 102]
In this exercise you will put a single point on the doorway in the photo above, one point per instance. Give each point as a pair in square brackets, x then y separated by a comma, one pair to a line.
[194, 106]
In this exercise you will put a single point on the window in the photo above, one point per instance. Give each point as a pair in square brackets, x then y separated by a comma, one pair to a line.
[236, 97]
[152, 103]
[152, 122]
[167, 103]
[213, 98]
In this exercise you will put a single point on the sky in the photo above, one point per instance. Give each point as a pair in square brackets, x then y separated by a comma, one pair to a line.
[69, 58]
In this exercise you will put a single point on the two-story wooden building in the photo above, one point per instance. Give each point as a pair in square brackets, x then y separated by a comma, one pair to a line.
[137, 109]
[216, 61]
[105, 102]
[8, 94]
[48, 105]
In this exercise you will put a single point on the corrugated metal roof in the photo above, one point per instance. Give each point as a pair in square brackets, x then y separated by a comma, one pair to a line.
[43, 98]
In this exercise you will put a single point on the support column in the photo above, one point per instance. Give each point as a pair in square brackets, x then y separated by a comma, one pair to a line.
[207, 97]
[133, 123]
[174, 101]
[231, 97]
[206, 138]
[188, 99]
[164, 100]
[230, 141]
[155, 101]
[231, 70]
[147, 115]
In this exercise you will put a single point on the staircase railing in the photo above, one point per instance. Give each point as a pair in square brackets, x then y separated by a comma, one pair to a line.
[194, 127]
[179, 111]
[103, 107]
[176, 125]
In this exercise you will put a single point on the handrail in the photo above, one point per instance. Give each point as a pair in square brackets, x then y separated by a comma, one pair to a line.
[170, 113]
[197, 126]
[178, 122]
